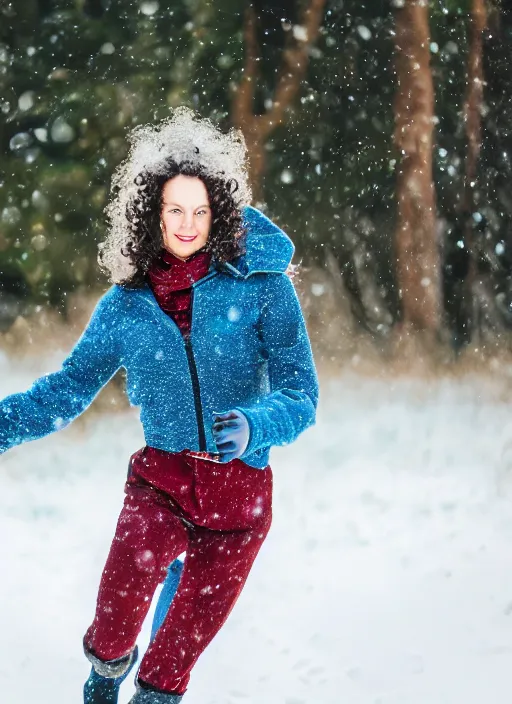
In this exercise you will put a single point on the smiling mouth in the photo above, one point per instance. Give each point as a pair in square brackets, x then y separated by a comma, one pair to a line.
[186, 239]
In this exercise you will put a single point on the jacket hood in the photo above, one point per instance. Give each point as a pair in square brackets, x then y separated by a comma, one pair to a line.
[268, 248]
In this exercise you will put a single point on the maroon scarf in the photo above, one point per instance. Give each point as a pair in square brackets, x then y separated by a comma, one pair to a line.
[171, 280]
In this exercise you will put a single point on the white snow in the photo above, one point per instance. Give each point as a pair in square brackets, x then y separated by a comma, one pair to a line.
[386, 578]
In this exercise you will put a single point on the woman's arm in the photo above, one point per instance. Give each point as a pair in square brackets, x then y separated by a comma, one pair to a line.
[53, 401]
[290, 407]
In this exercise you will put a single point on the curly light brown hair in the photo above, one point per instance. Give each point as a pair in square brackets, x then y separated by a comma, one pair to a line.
[183, 144]
[226, 239]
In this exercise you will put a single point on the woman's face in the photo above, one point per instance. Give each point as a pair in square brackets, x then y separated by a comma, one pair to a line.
[186, 215]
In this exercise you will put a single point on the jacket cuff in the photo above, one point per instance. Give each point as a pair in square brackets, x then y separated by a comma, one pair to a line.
[258, 420]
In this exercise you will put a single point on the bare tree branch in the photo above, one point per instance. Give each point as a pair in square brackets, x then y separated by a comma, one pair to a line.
[295, 61]
[257, 128]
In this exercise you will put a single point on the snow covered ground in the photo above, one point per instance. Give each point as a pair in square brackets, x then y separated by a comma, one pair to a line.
[386, 578]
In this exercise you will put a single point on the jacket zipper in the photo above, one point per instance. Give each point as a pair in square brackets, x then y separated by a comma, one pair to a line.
[196, 389]
[197, 392]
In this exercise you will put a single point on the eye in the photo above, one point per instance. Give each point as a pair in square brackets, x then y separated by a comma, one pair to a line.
[201, 212]
[174, 210]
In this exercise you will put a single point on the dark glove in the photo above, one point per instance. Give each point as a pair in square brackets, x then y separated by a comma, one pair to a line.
[231, 434]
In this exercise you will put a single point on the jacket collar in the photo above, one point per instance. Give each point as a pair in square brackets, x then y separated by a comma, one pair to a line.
[268, 248]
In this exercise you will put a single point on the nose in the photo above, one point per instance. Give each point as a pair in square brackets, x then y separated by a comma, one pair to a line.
[188, 220]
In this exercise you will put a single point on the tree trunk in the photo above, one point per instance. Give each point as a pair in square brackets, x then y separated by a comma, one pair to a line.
[418, 258]
[257, 128]
[473, 124]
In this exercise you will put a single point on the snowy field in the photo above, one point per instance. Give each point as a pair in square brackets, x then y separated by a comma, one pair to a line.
[386, 578]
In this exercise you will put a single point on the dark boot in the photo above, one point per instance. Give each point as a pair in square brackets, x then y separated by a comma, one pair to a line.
[145, 695]
[100, 689]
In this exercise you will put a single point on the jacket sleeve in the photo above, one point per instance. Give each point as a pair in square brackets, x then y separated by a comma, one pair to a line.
[54, 400]
[290, 407]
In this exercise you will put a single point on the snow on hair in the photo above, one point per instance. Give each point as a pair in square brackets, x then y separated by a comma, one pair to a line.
[183, 137]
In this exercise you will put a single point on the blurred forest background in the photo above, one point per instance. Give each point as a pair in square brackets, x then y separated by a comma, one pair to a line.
[379, 133]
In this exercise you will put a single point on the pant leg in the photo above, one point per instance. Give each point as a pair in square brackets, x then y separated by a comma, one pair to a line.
[148, 538]
[216, 568]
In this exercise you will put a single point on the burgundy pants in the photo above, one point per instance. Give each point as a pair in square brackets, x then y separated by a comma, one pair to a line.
[220, 515]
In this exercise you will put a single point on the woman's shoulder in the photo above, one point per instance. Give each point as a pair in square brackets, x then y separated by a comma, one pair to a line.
[272, 281]
[120, 293]
[118, 299]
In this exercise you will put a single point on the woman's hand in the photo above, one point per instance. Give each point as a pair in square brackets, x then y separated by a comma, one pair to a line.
[231, 434]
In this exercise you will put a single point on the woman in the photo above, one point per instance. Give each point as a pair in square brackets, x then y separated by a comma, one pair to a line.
[208, 327]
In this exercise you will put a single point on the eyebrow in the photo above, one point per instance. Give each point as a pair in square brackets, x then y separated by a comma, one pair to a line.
[180, 206]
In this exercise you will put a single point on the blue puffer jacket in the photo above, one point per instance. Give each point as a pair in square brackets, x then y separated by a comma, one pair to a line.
[248, 349]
